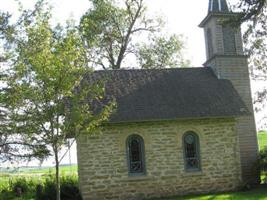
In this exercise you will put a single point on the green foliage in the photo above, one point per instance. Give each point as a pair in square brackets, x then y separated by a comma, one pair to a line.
[262, 139]
[162, 52]
[112, 31]
[254, 15]
[20, 185]
[45, 97]
[263, 159]
[47, 190]
[10, 185]
[40, 188]
[262, 162]
[68, 189]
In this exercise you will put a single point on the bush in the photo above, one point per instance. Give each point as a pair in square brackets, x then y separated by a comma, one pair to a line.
[39, 188]
[263, 160]
[19, 187]
[46, 191]
[68, 188]
[16, 187]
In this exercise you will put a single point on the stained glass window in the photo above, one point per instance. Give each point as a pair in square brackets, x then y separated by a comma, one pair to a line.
[135, 154]
[191, 151]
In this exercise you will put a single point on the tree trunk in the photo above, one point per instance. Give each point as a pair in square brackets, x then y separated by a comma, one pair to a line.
[57, 176]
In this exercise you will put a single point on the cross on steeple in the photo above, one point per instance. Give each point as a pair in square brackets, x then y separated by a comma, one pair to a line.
[218, 6]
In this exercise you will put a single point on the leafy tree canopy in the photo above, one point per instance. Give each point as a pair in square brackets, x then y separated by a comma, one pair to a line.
[43, 98]
[254, 17]
[113, 31]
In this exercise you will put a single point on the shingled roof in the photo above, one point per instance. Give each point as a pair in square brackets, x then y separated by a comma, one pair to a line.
[167, 94]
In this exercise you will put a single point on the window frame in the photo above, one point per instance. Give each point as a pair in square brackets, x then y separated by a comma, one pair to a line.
[197, 147]
[142, 149]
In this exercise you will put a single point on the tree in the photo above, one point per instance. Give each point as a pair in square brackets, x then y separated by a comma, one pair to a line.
[14, 146]
[112, 32]
[254, 16]
[45, 88]
[162, 52]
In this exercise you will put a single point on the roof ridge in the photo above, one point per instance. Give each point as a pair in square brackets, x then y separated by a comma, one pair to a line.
[152, 69]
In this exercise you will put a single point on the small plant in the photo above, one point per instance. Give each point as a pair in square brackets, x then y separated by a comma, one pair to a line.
[19, 187]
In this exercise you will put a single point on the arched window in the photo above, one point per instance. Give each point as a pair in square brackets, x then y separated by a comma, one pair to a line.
[135, 155]
[191, 151]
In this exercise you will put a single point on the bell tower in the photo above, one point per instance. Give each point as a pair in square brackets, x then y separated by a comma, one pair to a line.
[224, 53]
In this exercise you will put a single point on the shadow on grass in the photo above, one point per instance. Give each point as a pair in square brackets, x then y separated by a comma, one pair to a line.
[254, 194]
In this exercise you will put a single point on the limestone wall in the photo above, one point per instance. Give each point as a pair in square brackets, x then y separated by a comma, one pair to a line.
[235, 69]
[103, 171]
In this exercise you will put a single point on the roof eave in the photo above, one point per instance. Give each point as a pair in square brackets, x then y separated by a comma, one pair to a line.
[245, 113]
[217, 14]
[205, 64]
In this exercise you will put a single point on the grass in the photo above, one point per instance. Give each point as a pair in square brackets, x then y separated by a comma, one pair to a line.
[255, 194]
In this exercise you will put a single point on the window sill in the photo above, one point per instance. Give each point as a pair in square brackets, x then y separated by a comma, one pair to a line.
[137, 178]
[193, 173]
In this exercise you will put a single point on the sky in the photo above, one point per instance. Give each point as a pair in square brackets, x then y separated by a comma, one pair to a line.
[182, 17]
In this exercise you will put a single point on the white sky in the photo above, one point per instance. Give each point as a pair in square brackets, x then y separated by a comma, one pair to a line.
[182, 17]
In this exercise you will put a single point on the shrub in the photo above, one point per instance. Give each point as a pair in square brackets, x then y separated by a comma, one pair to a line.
[68, 188]
[19, 186]
[40, 188]
[47, 191]
[263, 159]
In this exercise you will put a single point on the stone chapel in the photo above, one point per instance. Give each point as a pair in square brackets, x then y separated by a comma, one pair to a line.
[176, 131]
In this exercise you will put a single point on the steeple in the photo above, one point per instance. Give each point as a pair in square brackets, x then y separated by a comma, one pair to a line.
[218, 6]
[221, 38]
[225, 56]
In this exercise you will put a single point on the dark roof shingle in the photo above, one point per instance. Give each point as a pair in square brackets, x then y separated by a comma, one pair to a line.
[166, 94]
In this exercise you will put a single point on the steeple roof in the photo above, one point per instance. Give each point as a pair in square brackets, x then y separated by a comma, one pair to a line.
[218, 6]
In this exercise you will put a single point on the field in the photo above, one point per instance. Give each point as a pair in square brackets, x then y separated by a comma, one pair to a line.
[40, 170]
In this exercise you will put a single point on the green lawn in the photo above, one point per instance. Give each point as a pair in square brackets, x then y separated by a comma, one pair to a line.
[255, 194]
[262, 139]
